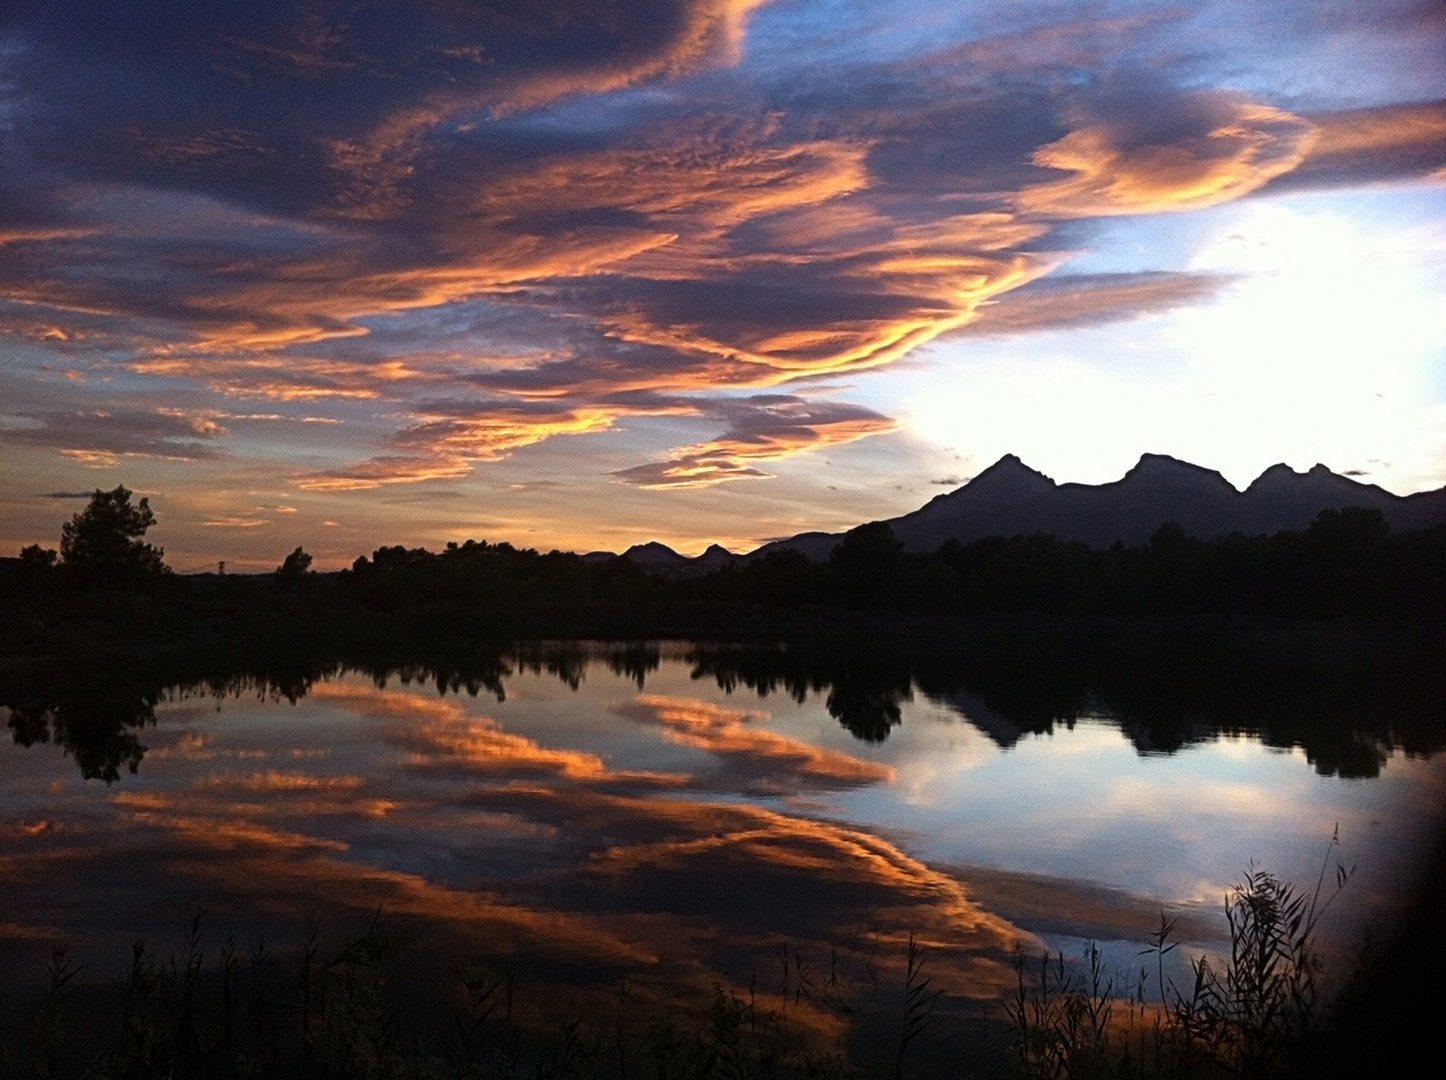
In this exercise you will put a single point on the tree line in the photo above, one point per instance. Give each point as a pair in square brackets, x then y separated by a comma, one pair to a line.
[1345, 563]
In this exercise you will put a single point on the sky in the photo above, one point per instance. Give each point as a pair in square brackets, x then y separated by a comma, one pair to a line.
[579, 275]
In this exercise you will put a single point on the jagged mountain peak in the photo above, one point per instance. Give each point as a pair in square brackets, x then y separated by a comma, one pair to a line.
[1279, 473]
[1009, 469]
[1010, 498]
[1282, 477]
[1149, 463]
[1157, 469]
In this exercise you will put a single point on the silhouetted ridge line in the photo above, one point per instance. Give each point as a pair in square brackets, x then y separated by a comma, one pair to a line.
[1009, 498]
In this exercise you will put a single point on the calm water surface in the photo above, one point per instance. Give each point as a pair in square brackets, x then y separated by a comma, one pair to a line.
[603, 819]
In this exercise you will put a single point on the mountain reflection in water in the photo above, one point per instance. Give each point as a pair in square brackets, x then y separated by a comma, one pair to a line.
[585, 814]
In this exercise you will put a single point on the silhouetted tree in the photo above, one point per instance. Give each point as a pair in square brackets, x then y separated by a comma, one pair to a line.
[35, 555]
[865, 562]
[294, 569]
[104, 543]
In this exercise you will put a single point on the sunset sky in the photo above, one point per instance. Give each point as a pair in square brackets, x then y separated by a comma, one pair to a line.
[586, 273]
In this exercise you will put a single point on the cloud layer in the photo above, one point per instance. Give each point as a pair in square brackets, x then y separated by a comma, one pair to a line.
[470, 230]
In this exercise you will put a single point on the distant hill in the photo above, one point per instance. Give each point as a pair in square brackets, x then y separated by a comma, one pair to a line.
[661, 557]
[1009, 498]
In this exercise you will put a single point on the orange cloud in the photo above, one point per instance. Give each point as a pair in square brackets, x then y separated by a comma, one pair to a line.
[816, 332]
[1381, 130]
[1385, 142]
[495, 435]
[1088, 300]
[102, 437]
[234, 522]
[446, 447]
[689, 190]
[291, 378]
[763, 429]
[38, 234]
[381, 471]
[94, 459]
[699, 178]
[831, 277]
[707, 31]
[1236, 147]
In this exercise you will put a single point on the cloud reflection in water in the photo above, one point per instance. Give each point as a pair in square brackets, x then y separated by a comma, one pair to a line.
[629, 819]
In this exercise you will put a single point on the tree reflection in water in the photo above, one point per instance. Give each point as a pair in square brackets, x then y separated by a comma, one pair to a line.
[1347, 722]
[95, 725]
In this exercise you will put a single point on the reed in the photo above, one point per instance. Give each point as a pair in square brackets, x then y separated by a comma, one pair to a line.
[341, 1011]
[1256, 1014]
[320, 1011]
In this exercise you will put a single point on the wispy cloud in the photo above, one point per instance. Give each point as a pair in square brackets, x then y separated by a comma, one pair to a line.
[763, 428]
[1064, 302]
[105, 435]
[1188, 151]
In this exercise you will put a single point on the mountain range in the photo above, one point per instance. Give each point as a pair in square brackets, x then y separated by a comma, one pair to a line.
[1010, 498]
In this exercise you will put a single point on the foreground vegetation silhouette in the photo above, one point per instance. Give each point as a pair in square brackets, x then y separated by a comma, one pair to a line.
[1254, 1014]
[321, 1010]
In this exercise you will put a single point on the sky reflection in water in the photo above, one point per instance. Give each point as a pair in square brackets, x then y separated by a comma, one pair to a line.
[673, 832]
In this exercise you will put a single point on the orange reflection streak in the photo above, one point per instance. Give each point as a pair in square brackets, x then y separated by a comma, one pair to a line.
[597, 878]
[442, 732]
[844, 879]
[1248, 145]
[683, 872]
[691, 722]
[207, 795]
[283, 872]
[272, 780]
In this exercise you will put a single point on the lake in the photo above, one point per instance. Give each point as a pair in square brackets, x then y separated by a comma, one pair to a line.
[665, 821]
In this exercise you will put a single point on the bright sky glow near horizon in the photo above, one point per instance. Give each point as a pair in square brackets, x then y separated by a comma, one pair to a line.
[341, 274]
